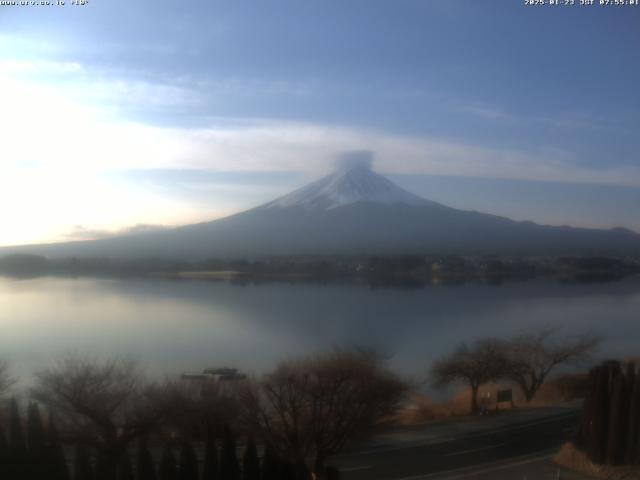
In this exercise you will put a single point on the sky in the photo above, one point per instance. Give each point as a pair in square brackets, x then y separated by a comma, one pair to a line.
[119, 115]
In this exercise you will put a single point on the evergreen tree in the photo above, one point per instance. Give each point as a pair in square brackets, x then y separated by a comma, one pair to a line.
[229, 466]
[37, 443]
[270, 464]
[210, 468]
[331, 473]
[188, 462]
[585, 428]
[146, 467]
[125, 469]
[597, 438]
[4, 455]
[83, 468]
[18, 454]
[610, 426]
[601, 409]
[633, 435]
[619, 416]
[250, 462]
[56, 460]
[303, 472]
[287, 470]
[168, 469]
[104, 469]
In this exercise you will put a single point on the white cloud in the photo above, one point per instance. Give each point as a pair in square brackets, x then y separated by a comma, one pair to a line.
[137, 93]
[56, 150]
[566, 120]
[39, 67]
[31, 45]
[303, 147]
[80, 232]
[481, 110]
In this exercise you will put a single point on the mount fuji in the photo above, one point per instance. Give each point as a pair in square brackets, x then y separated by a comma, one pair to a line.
[351, 211]
[350, 184]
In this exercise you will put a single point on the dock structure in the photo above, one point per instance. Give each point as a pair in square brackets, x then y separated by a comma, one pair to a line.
[215, 375]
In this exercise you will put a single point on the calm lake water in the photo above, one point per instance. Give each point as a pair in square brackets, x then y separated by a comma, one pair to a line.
[173, 326]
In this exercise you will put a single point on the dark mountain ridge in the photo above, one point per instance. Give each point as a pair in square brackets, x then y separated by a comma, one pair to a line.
[353, 211]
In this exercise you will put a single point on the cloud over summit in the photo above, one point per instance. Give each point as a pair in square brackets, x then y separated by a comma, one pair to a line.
[355, 159]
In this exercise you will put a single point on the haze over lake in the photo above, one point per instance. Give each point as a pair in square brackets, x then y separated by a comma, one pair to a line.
[175, 326]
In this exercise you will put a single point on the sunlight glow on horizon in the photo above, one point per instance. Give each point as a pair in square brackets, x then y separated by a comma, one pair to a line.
[61, 152]
[88, 130]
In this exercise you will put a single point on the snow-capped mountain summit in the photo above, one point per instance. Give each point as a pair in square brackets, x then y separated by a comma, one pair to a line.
[350, 184]
[351, 211]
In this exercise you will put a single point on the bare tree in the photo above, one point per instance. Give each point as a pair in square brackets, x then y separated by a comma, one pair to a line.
[193, 411]
[6, 380]
[482, 362]
[533, 355]
[312, 407]
[106, 404]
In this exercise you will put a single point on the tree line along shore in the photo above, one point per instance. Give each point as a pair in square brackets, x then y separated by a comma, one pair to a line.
[375, 270]
[106, 420]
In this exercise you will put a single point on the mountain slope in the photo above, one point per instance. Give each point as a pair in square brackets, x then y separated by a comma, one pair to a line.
[352, 211]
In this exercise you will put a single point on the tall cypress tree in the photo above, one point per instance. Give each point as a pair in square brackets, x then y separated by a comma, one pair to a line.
[250, 462]
[210, 468]
[146, 467]
[188, 469]
[287, 470]
[104, 470]
[56, 460]
[633, 435]
[125, 469]
[304, 473]
[586, 424]
[168, 469]
[4, 455]
[619, 416]
[331, 473]
[229, 466]
[36, 442]
[18, 455]
[270, 464]
[601, 409]
[83, 469]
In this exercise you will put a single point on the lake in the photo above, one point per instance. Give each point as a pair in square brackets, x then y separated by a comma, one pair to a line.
[182, 325]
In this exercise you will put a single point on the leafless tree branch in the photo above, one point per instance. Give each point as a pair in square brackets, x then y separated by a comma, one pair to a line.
[312, 407]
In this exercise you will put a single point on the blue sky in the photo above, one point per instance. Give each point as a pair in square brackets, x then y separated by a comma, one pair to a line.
[122, 113]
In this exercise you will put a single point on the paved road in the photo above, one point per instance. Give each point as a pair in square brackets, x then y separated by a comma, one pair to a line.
[527, 468]
[514, 447]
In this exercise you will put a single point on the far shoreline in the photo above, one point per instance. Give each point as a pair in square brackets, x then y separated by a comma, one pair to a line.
[402, 271]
